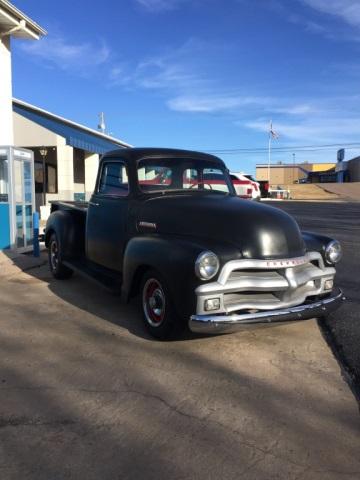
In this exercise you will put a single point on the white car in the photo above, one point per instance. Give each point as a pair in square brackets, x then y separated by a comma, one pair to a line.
[256, 194]
[245, 186]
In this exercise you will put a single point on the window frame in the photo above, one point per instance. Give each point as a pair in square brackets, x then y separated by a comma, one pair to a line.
[112, 195]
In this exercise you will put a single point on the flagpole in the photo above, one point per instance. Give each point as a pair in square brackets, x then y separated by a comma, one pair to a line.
[269, 153]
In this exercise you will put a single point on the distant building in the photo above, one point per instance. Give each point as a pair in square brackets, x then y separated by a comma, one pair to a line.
[349, 171]
[71, 152]
[288, 173]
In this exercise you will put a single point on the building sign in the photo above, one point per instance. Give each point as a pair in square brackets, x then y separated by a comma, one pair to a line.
[341, 154]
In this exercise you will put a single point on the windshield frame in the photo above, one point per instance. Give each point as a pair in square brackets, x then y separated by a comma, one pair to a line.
[210, 162]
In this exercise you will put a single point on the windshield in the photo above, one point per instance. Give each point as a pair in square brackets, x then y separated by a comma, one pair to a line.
[176, 174]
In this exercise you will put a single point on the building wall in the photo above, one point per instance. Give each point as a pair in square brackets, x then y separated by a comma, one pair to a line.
[91, 170]
[354, 169]
[6, 126]
[31, 134]
[65, 171]
[70, 175]
[279, 175]
[286, 175]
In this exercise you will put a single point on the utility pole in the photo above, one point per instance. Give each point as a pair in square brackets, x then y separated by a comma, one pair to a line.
[293, 155]
[275, 136]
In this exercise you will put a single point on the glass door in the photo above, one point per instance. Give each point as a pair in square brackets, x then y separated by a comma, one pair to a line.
[23, 190]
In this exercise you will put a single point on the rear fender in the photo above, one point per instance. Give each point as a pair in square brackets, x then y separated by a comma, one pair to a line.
[69, 229]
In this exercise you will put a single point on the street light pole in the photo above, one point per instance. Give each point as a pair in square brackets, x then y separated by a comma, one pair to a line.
[43, 153]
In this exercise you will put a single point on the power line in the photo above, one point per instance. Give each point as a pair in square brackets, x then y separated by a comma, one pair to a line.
[303, 148]
[292, 150]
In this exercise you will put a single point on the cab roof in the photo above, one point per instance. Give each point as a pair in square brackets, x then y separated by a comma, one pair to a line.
[137, 154]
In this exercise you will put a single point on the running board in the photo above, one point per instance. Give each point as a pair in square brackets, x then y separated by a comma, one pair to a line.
[97, 274]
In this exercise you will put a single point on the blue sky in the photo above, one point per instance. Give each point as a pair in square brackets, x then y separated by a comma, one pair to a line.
[201, 74]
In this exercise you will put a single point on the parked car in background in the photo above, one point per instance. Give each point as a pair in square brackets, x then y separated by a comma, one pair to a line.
[166, 225]
[242, 185]
[256, 194]
[245, 187]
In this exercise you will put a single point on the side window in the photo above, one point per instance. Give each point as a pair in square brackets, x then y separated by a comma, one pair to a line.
[114, 180]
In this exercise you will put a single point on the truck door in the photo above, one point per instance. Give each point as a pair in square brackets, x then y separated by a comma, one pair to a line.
[107, 216]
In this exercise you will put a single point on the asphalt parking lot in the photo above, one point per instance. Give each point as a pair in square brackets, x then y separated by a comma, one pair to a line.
[85, 393]
[342, 330]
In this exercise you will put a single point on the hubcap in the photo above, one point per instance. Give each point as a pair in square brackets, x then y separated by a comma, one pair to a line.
[153, 302]
[54, 255]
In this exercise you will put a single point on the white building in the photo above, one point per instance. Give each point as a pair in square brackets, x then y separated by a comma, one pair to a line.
[67, 152]
[13, 24]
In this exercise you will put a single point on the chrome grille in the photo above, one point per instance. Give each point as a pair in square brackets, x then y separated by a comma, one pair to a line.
[266, 285]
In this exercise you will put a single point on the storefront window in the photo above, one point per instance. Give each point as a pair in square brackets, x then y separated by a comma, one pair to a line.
[51, 174]
[51, 179]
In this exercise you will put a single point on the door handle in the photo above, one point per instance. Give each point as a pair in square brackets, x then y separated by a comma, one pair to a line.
[94, 204]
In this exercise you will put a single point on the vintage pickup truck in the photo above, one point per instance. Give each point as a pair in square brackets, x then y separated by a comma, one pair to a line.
[167, 225]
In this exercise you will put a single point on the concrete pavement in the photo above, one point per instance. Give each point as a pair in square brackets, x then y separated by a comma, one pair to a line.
[85, 393]
[340, 221]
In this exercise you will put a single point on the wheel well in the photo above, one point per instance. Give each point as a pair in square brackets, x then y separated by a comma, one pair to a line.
[136, 281]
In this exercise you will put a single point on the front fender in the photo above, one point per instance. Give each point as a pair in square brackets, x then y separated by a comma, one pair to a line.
[174, 258]
[315, 242]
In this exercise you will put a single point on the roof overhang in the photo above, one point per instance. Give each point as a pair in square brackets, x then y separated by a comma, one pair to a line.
[15, 23]
[76, 135]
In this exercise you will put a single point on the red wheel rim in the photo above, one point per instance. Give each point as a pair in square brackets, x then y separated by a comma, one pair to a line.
[154, 302]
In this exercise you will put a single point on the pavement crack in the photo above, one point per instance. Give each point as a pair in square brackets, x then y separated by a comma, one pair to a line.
[25, 421]
[21, 421]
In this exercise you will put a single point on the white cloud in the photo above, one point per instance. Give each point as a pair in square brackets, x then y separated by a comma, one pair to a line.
[347, 10]
[214, 102]
[301, 109]
[55, 50]
[309, 25]
[164, 73]
[313, 130]
[171, 71]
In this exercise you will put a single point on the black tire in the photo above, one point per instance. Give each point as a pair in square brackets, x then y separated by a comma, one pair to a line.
[159, 314]
[57, 268]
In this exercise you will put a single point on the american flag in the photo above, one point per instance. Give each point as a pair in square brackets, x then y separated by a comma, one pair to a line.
[272, 132]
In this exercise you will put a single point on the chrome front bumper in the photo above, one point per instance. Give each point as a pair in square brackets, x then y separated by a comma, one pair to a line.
[234, 322]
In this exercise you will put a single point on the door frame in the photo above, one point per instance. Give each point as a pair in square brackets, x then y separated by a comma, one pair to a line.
[16, 154]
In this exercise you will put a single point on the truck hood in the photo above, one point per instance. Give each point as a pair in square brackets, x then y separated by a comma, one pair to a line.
[257, 230]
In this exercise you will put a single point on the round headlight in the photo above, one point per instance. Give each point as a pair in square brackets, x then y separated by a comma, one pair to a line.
[207, 265]
[333, 252]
